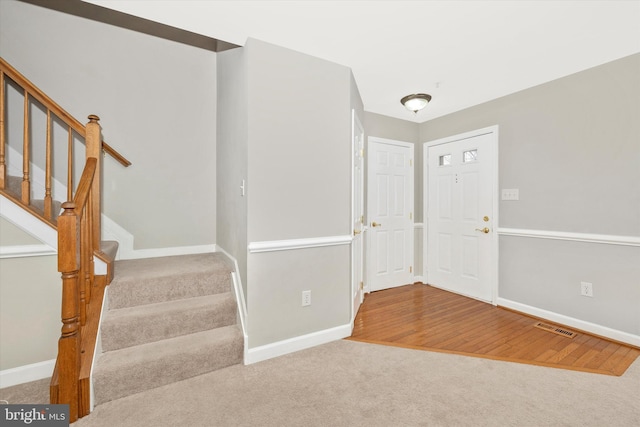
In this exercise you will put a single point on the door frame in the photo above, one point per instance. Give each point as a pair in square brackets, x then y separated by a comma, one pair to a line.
[495, 251]
[369, 264]
[357, 268]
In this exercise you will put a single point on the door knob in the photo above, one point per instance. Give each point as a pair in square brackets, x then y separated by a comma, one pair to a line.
[356, 232]
[483, 230]
[375, 224]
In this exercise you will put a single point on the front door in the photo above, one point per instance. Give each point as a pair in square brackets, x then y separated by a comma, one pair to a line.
[390, 213]
[461, 244]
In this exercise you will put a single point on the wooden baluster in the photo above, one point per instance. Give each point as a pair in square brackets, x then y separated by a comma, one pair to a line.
[70, 166]
[90, 271]
[26, 185]
[69, 342]
[86, 267]
[3, 166]
[93, 141]
[83, 267]
[47, 177]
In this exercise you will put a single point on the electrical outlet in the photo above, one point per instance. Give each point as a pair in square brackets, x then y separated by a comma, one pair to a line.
[306, 298]
[586, 289]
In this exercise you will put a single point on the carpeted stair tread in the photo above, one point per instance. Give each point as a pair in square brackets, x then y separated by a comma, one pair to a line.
[152, 280]
[130, 370]
[56, 207]
[137, 325]
[109, 248]
[13, 186]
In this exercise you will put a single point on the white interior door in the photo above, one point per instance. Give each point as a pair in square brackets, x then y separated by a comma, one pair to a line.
[357, 214]
[390, 212]
[461, 242]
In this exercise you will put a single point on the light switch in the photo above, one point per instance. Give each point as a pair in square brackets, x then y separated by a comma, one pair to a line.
[510, 194]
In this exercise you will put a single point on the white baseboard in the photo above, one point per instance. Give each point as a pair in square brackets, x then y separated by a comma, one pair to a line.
[418, 279]
[27, 373]
[593, 328]
[97, 349]
[280, 348]
[177, 250]
[112, 231]
[240, 300]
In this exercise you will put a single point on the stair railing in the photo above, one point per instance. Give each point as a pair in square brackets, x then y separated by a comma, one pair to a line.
[74, 245]
[54, 111]
[78, 228]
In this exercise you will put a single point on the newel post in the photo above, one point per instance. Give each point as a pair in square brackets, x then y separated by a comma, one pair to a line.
[93, 141]
[69, 342]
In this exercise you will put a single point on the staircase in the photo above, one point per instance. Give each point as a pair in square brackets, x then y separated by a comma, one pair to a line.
[169, 319]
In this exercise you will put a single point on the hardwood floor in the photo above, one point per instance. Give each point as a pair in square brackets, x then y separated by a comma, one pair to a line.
[423, 317]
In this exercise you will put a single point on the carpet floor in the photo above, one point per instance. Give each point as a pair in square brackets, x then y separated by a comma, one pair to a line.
[346, 383]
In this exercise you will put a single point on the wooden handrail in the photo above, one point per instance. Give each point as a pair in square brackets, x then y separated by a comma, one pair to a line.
[50, 104]
[113, 153]
[86, 180]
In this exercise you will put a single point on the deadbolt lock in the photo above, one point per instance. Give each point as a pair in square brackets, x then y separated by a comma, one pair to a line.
[485, 219]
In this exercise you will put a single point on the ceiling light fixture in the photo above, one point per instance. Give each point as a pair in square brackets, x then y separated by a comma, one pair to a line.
[415, 102]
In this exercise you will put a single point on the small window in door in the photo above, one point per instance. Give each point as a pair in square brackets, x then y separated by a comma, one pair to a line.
[445, 160]
[470, 156]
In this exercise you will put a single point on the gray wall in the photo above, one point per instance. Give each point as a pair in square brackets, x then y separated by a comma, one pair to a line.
[572, 148]
[157, 102]
[299, 186]
[299, 162]
[391, 128]
[29, 327]
[232, 157]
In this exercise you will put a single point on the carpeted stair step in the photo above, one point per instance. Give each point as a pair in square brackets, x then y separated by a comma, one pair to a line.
[129, 326]
[56, 208]
[131, 370]
[153, 280]
[13, 186]
[109, 248]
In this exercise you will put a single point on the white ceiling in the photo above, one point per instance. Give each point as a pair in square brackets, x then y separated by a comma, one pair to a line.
[461, 52]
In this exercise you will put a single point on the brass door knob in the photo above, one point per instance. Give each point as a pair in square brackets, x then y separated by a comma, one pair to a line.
[483, 230]
[375, 224]
[356, 232]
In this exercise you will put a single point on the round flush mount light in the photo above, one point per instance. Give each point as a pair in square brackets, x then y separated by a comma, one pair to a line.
[415, 102]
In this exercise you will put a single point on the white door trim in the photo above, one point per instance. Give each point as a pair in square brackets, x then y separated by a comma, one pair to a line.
[369, 265]
[492, 130]
[390, 142]
[357, 204]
